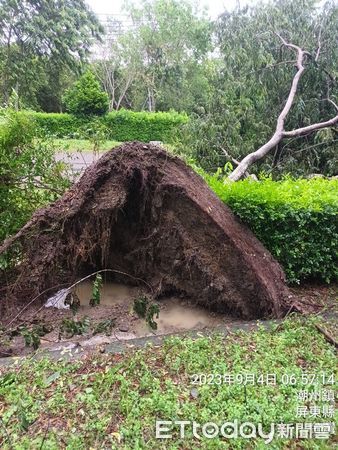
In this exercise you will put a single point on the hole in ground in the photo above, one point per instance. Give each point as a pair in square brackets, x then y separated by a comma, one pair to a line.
[176, 313]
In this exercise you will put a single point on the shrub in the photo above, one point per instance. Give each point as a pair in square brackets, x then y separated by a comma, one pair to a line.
[295, 219]
[86, 97]
[142, 126]
[58, 125]
[29, 175]
[120, 125]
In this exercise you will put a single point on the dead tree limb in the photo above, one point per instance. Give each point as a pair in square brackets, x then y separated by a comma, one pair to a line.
[280, 132]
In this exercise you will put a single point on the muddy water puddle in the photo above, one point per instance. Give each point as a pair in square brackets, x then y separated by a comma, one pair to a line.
[112, 294]
[175, 314]
[116, 309]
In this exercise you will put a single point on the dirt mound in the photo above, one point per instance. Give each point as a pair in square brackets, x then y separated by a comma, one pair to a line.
[145, 213]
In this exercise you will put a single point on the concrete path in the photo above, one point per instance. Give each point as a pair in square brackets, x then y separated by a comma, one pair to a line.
[78, 161]
[74, 350]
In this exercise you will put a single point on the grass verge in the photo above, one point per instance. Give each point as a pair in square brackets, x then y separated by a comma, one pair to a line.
[84, 145]
[112, 401]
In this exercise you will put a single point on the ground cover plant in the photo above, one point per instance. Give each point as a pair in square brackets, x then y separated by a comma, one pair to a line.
[112, 401]
[82, 145]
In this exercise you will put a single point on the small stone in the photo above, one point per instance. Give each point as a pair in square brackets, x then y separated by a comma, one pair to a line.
[124, 327]
[194, 393]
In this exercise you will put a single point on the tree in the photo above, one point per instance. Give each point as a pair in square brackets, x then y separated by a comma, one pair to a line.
[86, 97]
[252, 81]
[280, 132]
[60, 31]
[53, 83]
[171, 33]
[153, 65]
[119, 67]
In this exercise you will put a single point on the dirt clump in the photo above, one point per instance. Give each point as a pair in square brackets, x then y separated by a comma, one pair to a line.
[140, 211]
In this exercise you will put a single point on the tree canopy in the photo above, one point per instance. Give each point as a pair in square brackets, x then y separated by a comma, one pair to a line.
[253, 80]
[155, 64]
[38, 36]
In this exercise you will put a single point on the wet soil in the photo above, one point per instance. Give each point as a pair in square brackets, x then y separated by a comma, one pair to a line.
[176, 315]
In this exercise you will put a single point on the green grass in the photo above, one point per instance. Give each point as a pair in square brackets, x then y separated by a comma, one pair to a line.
[112, 401]
[84, 145]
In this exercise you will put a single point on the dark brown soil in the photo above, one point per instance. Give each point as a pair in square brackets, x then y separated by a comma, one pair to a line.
[144, 213]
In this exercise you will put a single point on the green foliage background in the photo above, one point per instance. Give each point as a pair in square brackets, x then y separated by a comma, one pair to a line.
[42, 44]
[231, 75]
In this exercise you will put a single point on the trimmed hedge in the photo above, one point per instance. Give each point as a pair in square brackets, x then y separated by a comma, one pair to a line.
[58, 125]
[121, 125]
[295, 219]
[142, 126]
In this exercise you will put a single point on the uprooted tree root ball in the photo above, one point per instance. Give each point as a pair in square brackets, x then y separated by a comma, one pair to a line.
[142, 212]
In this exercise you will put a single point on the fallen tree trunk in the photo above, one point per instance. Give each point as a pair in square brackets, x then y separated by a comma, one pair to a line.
[142, 212]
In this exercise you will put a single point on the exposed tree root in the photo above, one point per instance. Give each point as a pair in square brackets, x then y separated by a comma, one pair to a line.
[140, 211]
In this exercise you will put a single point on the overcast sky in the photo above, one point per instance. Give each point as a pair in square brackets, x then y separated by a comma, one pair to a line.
[115, 6]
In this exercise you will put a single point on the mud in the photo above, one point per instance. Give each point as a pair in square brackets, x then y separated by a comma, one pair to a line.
[117, 301]
[177, 316]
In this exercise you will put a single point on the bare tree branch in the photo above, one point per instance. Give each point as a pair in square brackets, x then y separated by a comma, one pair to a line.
[280, 132]
[309, 129]
[235, 161]
[319, 44]
[333, 104]
[278, 135]
[252, 176]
